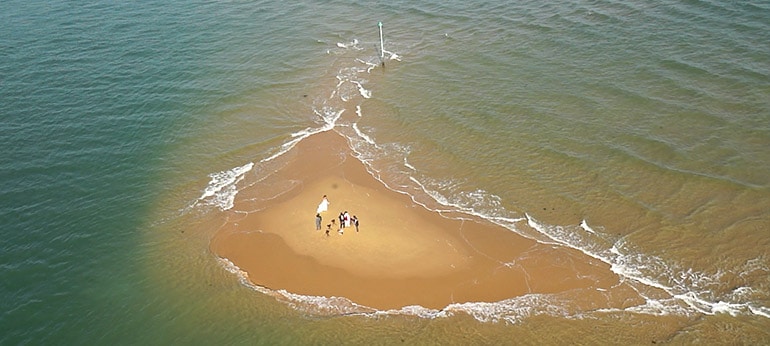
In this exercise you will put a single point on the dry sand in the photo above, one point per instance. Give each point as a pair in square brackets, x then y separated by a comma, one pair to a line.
[402, 255]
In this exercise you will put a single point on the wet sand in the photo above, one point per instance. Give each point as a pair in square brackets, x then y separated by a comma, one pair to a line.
[403, 254]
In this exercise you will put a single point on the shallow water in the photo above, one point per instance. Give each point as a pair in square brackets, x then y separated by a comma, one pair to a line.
[635, 133]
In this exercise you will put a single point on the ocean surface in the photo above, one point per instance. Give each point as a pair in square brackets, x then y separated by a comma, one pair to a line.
[635, 132]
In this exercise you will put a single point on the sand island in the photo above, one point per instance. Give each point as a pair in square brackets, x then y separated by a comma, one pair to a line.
[404, 254]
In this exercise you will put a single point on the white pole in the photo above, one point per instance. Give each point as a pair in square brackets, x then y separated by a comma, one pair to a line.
[382, 42]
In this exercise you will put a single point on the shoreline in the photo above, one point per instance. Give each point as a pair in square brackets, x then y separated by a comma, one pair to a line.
[403, 253]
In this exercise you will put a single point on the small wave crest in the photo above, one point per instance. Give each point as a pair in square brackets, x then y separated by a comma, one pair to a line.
[223, 186]
[352, 44]
[221, 189]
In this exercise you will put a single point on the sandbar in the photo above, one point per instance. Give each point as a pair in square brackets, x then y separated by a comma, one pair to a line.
[403, 254]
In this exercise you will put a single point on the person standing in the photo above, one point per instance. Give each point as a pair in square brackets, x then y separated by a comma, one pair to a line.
[347, 219]
[342, 222]
[355, 222]
[318, 221]
[323, 206]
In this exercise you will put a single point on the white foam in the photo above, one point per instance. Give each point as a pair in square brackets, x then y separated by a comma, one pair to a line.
[329, 116]
[683, 285]
[351, 44]
[760, 310]
[243, 277]
[285, 147]
[408, 165]
[416, 310]
[362, 135]
[369, 65]
[363, 91]
[321, 305]
[512, 310]
[221, 189]
[659, 307]
[584, 226]
[392, 56]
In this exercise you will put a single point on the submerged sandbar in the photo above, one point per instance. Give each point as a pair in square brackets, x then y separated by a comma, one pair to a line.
[403, 254]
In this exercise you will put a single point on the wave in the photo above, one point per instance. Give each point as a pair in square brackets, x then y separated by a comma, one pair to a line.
[221, 189]
[512, 310]
[352, 44]
[686, 291]
[683, 285]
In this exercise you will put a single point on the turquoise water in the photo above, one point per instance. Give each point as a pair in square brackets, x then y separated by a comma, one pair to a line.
[637, 133]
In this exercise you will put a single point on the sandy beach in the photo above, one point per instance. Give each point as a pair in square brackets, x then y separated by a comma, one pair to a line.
[402, 254]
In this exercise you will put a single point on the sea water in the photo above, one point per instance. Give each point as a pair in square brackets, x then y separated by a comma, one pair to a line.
[636, 133]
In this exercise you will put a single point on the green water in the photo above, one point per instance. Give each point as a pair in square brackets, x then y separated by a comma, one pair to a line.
[647, 121]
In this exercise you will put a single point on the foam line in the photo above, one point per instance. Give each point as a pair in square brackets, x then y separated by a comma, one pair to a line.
[352, 44]
[221, 189]
[362, 135]
[627, 267]
[363, 91]
[584, 226]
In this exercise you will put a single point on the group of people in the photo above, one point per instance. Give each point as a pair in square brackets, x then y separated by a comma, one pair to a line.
[345, 220]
